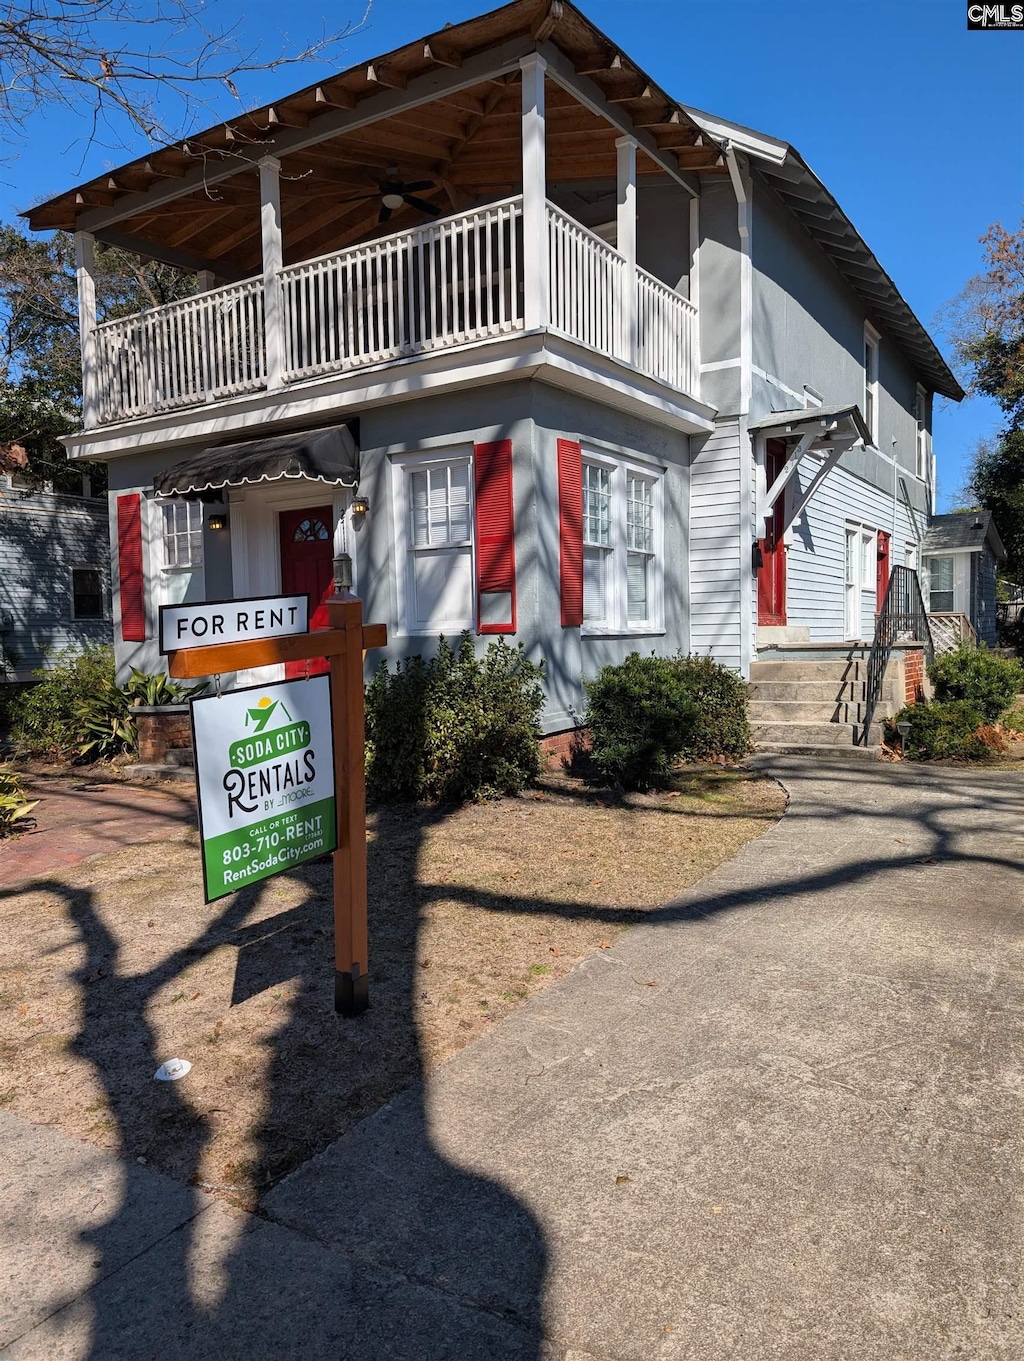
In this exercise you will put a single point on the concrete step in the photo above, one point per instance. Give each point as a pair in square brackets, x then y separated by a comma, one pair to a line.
[826, 752]
[820, 734]
[801, 711]
[810, 691]
[838, 671]
[179, 756]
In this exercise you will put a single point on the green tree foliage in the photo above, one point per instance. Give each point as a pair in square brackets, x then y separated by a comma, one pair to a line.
[40, 365]
[987, 330]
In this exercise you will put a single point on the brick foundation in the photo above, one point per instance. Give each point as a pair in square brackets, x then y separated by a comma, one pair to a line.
[913, 675]
[162, 728]
[558, 747]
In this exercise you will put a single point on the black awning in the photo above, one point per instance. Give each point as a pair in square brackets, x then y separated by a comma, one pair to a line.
[330, 454]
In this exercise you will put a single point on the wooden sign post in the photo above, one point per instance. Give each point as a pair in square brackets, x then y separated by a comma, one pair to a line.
[344, 644]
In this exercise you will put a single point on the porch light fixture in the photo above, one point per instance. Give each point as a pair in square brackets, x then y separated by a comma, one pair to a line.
[360, 506]
[218, 521]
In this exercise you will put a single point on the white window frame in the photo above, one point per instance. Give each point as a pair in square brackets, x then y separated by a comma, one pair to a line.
[871, 349]
[194, 510]
[952, 592]
[866, 574]
[615, 622]
[104, 606]
[923, 436]
[402, 468]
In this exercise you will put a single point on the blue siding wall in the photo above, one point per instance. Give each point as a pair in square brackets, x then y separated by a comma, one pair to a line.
[42, 536]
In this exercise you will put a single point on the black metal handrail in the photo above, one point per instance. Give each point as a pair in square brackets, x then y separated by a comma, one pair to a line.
[902, 618]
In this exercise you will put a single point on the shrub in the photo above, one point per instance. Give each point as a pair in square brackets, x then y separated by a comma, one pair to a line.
[1013, 720]
[943, 729]
[641, 717]
[984, 678]
[14, 806]
[720, 696]
[46, 718]
[455, 727]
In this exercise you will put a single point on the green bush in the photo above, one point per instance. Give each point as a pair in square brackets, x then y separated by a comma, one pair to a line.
[943, 729]
[641, 717]
[720, 696]
[46, 719]
[76, 709]
[983, 678]
[455, 727]
[14, 806]
[1014, 720]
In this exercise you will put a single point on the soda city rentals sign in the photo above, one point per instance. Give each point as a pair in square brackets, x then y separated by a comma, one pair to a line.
[265, 778]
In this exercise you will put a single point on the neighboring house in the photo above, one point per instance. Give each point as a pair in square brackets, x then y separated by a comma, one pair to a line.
[960, 559]
[549, 354]
[54, 574]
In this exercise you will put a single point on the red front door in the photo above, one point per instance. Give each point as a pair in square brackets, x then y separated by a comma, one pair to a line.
[307, 567]
[883, 569]
[771, 575]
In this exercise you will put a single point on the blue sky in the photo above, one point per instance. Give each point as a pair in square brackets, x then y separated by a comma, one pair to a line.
[915, 125]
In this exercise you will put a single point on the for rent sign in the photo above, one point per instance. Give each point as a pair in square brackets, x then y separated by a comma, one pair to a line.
[265, 776]
[232, 621]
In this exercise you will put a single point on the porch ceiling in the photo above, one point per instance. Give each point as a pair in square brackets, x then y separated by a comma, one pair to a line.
[467, 141]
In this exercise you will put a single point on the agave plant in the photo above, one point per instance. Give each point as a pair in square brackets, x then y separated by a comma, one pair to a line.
[14, 806]
[157, 689]
[106, 726]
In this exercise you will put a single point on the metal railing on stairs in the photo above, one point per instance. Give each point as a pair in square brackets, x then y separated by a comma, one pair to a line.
[902, 619]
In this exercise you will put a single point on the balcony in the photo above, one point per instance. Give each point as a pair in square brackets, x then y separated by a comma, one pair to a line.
[459, 281]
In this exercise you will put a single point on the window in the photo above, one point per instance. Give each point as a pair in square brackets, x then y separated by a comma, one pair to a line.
[871, 380]
[940, 585]
[621, 559]
[182, 533]
[434, 508]
[86, 593]
[921, 416]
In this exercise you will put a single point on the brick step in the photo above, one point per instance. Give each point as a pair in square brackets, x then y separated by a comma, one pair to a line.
[819, 734]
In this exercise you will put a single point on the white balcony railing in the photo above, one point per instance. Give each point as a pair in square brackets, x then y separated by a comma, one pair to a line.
[184, 354]
[587, 286]
[453, 281]
[449, 283]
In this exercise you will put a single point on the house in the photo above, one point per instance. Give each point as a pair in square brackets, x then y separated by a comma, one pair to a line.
[960, 557]
[546, 352]
[54, 574]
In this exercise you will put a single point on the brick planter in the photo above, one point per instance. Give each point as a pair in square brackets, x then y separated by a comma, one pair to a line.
[161, 728]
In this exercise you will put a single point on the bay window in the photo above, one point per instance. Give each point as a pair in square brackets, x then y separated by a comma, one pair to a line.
[622, 568]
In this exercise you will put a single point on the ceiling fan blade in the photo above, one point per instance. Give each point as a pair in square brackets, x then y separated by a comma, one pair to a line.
[418, 184]
[384, 213]
[422, 205]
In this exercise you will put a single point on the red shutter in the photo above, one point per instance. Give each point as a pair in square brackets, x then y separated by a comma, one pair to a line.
[495, 532]
[570, 531]
[129, 563]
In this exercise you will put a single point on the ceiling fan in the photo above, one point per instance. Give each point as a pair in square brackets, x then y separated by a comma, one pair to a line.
[393, 193]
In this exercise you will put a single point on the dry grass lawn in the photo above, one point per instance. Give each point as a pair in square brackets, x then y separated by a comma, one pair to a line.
[116, 965]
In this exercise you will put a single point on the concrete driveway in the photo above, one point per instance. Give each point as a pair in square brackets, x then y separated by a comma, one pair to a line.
[781, 1120]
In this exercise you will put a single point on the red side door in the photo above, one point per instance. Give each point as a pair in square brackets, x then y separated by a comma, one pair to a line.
[771, 575]
[883, 569]
[307, 567]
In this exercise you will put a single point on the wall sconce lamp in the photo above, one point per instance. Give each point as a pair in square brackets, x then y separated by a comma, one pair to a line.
[360, 506]
[217, 521]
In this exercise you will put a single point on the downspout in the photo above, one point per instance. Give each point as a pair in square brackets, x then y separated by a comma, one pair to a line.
[747, 510]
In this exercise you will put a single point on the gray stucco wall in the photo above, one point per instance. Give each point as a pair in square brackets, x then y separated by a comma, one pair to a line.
[720, 310]
[662, 222]
[808, 328]
[42, 537]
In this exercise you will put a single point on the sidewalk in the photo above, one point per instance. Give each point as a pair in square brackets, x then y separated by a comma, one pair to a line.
[780, 1121]
[78, 818]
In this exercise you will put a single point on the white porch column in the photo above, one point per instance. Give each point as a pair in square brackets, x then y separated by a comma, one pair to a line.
[536, 280]
[86, 278]
[625, 237]
[206, 280]
[273, 258]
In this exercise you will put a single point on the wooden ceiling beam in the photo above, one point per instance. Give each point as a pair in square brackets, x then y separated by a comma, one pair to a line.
[279, 117]
[598, 65]
[330, 96]
[438, 52]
